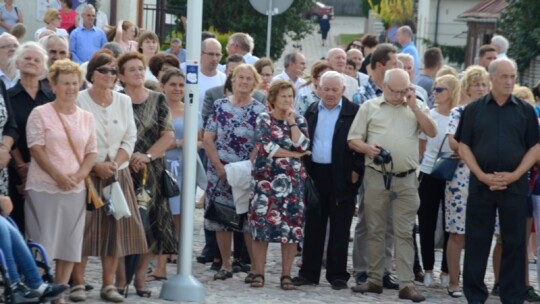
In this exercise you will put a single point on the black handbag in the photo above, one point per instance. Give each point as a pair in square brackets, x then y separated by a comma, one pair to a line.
[311, 194]
[168, 182]
[225, 215]
[445, 164]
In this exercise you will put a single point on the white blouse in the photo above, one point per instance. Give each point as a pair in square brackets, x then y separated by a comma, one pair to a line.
[115, 125]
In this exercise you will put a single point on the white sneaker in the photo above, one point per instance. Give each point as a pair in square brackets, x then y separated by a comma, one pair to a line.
[428, 279]
[445, 280]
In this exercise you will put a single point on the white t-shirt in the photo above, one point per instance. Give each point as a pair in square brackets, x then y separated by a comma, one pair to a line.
[206, 83]
[433, 143]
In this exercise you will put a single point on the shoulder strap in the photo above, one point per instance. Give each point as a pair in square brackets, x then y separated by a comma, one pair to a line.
[442, 143]
[71, 144]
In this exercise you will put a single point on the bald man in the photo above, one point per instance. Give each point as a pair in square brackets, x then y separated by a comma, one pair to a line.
[337, 58]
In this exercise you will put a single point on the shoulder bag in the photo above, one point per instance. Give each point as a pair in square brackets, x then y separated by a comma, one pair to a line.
[445, 164]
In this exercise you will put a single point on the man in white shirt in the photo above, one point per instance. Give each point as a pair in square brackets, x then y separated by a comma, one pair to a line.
[242, 44]
[209, 76]
[337, 58]
[295, 64]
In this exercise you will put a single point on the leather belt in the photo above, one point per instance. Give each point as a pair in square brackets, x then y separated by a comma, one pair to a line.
[401, 174]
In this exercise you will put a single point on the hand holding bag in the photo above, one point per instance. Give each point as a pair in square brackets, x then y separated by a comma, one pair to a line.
[114, 195]
[92, 194]
[445, 164]
[224, 214]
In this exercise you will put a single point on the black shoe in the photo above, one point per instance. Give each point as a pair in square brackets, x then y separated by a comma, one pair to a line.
[238, 266]
[390, 281]
[361, 278]
[532, 296]
[495, 291]
[339, 284]
[203, 259]
[22, 294]
[53, 292]
[299, 281]
[88, 287]
[216, 266]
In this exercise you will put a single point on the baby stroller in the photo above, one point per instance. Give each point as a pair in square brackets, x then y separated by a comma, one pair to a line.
[41, 259]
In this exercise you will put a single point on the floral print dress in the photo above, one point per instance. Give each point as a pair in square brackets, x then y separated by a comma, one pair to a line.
[235, 139]
[277, 202]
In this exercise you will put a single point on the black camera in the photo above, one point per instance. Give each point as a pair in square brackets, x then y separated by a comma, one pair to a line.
[108, 207]
[384, 157]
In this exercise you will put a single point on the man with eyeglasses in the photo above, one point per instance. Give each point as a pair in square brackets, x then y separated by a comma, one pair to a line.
[8, 45]
[392, 122]
[87, 39]
[209, 75]
[56, 47]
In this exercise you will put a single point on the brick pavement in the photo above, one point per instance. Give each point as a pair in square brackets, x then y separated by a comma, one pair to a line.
[235, 291]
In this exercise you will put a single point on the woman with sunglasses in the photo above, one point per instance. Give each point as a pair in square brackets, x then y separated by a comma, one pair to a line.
[431, 190]
[105, 236]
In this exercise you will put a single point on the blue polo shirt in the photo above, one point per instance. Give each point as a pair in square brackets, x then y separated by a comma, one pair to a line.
[83, 43]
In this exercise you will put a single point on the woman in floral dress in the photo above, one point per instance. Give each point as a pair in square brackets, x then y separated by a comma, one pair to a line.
[277, 203]
[229, 136]
[474, 84]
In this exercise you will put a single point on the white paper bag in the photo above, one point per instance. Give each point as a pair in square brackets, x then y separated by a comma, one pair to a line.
[114, 194]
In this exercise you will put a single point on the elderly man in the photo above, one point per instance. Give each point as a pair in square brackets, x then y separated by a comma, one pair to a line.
[295, 64]
[404, 37]
[408, 65]
[87, 39]
[386, 130]
[337, 172]
[337, 59]
[501, 45]
[498, 140]
[486, 55]
[8, 45]
[177, 50]
[357, 57]
[242, 44]
[57, 48]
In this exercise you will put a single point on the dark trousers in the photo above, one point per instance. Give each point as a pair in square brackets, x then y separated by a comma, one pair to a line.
[431, 192]
[18, 201]
[479, 226]
[240, 252]
[340, 217]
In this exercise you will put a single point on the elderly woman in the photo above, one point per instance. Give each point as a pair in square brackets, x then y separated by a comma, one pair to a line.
[308, 92]
[69, 16]
[124, 33]
[148, 46]
[265, 68]
[154, 136]
[282, 139]
[474, 84]
[230, 137]
[62, 142]
[105, 236]
[52, 21]
[31, 61]
[446, 90]
[8, 71]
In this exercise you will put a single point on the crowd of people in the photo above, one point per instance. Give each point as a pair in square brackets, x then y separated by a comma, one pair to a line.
[361, 134]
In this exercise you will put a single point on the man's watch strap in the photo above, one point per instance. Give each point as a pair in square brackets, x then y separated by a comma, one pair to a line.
[149, 156]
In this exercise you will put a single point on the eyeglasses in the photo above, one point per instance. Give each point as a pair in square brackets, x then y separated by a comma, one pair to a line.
[212, 54]
[9, 46]
[104, 70]
[402, 92]
[439, 90]
[356, 46]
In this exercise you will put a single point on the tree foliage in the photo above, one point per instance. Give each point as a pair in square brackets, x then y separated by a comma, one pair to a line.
[240, 16]
[520, 24]
[398, 12]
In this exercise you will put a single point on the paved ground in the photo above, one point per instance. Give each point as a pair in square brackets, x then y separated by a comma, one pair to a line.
[235, 291]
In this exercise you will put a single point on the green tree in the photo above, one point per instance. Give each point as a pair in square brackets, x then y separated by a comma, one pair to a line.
[520, 24]
[240, 16]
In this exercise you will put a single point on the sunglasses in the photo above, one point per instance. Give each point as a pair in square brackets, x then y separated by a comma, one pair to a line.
[439, 89]
[104, 70]
[356, 46]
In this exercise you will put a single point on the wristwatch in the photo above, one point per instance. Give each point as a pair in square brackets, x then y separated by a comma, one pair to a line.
[416, 108]
[149, 156]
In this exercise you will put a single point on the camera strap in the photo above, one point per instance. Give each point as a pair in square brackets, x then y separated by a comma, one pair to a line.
[387, 179]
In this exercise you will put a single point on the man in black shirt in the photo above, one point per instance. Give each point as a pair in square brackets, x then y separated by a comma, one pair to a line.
[498, 137]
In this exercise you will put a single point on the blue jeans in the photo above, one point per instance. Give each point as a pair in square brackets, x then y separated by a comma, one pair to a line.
[18, 256]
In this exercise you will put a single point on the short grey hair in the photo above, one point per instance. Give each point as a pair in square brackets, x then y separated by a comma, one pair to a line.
[332, 75]
[87, 7]
[406, 30]
[176, 40]
[494, 65]
[290, 58]
[48, 39]
[33, 46]
[404, 56]
[114, 47]
[241, 40]
[394, 72]
[501, 42]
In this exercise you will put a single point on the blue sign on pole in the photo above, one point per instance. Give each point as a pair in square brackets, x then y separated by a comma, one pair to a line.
[391, 34]
[192, 73]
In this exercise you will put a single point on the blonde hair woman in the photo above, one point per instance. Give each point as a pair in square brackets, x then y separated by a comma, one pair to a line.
[474, 84]
[446, 91]
[52, 21]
